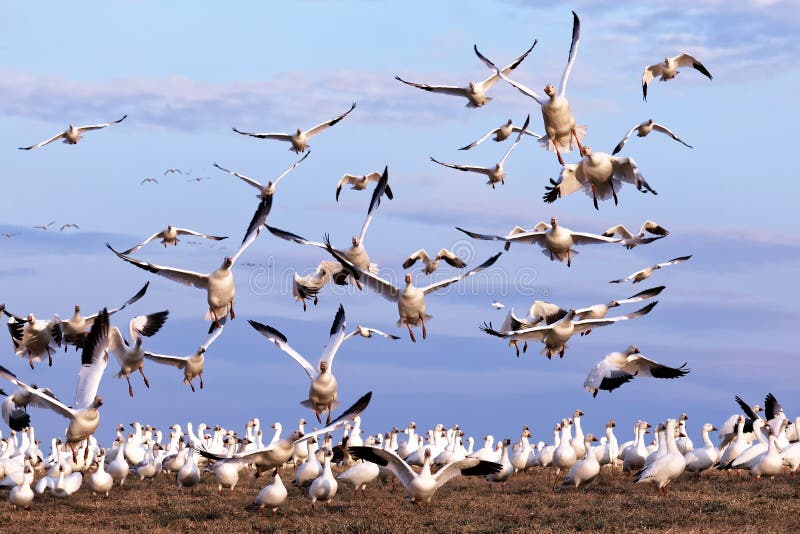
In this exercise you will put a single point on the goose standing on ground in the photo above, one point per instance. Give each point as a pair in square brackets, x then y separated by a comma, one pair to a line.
[618, 368]
[432, 264]
[100, 481]
[644, 274]
[359, 183]
[268, 190]
[22, 494]
[496, 174]
[667, 467]
[684, 442]
[562, 134]
[130, 355]
[219, 284]
[324, 487]
[84, 417]
[72, 134]
[34, 338]
[700, 459]
[564, 456]
[556, 240]
[634, 456]
[630, 240]
[642, 130]
[193, 365]
[189, 475]
[169, 236]
[66, 485]
[272, 495]
[769, 463]
[587, 469]
[299, 140]
[501, 133]
[359, 475]
[475, 92]
[422, 486]
[669, 69]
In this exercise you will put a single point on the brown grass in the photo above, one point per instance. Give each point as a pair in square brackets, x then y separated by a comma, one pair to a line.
[526, 503]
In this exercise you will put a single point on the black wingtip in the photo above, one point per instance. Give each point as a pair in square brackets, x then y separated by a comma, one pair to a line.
[266, 330]
[616, 149]
[339, 323]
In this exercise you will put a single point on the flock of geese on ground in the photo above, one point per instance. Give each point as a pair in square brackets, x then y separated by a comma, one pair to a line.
[762, 446]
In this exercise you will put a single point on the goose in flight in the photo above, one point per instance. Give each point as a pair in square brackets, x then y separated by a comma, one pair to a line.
[539, 311]
[475, 92]
[267, 190]
[359, 183]
[644, 274]
[83, 416]
[643, 129]
[618, 368]
[556, 241]
[299, 140]
[496, 174]
[174, 170]
[15, 407]
[146, 180]
[599, 175]
[192, 366]
[432, 264]
[219, 284]
[555, 336]
[364, 331]
[599, 311]
[69, 225]
[130, 355]
[668, 69]
[630, 240]
[169, 236]
[72, 134]
[562, 134]
[45, 226]
[422, 486]
[33, 338]
[501, 133]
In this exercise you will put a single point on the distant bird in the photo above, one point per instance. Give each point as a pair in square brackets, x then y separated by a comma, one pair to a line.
[148, 180]
[501, 133]
[619, 367]
[198, 179]
[299, 140]
[497, 173]
[69, 225]
[638, 276]
[359, 183]
[562, 134]
[169, 236]
[475, 92]
[645, 128]
[599, 175]
[630, 240]
[130, 354]
[45, 226]
[669, 69]
[432, 264]
[269, 189]
[72, 134]
[9, 234]
[498, 305]
[173, 170]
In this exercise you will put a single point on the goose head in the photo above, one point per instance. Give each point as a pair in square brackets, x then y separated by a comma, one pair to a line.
[577, 414]
[632, 349]
[408, 279]
[31, 318]
[98, 401]
[227, 262]
[550, 90]
[472, 87]
[299, 132]
[323, 366]
[554, 222]
[611, 424]
[77, 309]
[356, 241]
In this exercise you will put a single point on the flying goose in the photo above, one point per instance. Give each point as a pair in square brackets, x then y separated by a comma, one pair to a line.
[299, 140]
[359, 183]
[501, 133]
[69, 225]
[169, 236]
[130, 355]
[669, 69]
[496, 174]
[598, 311]
[14, 408]
[630, 240]
[475, 92]
[432, 264]
[364, 331]
[619, 367]
[45, 226]
[555, 240]
[33, 338]
[539, 311]
[192, 365]
[72, 134]
[599, 175]
[562, 134]
[265, 191]
[643, 129]
[146, 180]
[638, 276]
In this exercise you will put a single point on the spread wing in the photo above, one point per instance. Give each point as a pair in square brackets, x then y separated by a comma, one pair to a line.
[451, 258]
[94, 360]
[288, 236]
[645, 367]
[277, 136]
[280, 340]
[573, 51]
[606, 376]
[188, 278]
[443, 89]
[47, 401]
[373, 281]
[466, 467]
[589, 324]
[254, 228]
[45, 142]
[517, 140]
[674, 261]
[98, 126]
[147, 325]
[567, 184]
[653, 71]
[186, 231]
[348, 415]
[521, 88]
[444, 283]
[585, 238]
[143, 243]
[686, 60]
[319, 127]
[290, 169]
[663, 129]
[246, 179]
[624, 140]
[494, 78]
[386, 459]
[642, 295]
[419, 255]
[337, 337]
[375, 201]
[466, 168]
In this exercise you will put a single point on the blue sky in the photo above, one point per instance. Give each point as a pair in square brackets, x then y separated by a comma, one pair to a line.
[185, 77]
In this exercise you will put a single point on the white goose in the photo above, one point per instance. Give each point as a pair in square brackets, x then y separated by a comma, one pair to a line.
[587, 469]
[100, 481]
[501, 133]
[432, 264]
[599, 311]
[72, 134]
[131, 355]
[272, 495]
[634, 456]
[630, 240]
[22, 494]
[14, 407]
[667, 467]
[359, 183]
[189, 475]
[669, 69]
[618, 368]
[325, 486]
[702, 458]
[359, 475]
[169, 236]
[299, 139]
[645, 273]
[564, 456]
[192, 365]
[643, 129]
[35, 338]
[539, 311]
[264, 191]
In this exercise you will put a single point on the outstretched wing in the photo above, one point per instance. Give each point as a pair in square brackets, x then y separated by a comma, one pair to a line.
[517, 140]
[573, 51]
[646, 367]
[663, 129]
[444, 283]
[246, 179]
[277, 136]
[319, 127]
[94, 359]
[288, 236]
[624, 140]
[521, 88]
[47, 401]
[337, 337]
[642, 295]
[375, 201]
[443, 89]
[348, 415]
[254, 228]
[479, 141]
[686, 60]
[188, 278]
[280, 340]
[45, 142]
[489, 82]
[466, 168]
[290, 169]
[386, 459]
[98, 126]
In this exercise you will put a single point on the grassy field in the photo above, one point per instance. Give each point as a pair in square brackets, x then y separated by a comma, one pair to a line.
[715, 502]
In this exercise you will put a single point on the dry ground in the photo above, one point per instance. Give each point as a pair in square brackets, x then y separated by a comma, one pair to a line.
[715, 502]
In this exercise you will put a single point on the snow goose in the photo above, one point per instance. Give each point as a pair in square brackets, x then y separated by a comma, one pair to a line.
[645, 128]
[359, 475]
[22, 495]
[130, 355]
[300, 450]
[702, 458]
[305, 474]
[151, 465]
[559, 122]
[72, 134]
[189, 475]
[630, 240]
[68, 226]
[667, 467]
[272, 495]
[84, 417]
[555, 240]
[422, 486]
[564, 456]
[684, 442]
[577, 441]
[227, 473]
[475, 92]
[359, 183]
[299, 139]
[66, 485]
[770, 462]
[34, 338]
[520, 454]
[432, 264]
[324, 487]
[634, 456]
[618, 368]
[100, 481]
[14, 407]
[774, 415]
[539, 311]
[545, 458]
[507, 468]
[118, 468]
[587, 469]
[264, 191]
[645, 273]
[599, 174]
[607, 452]
[497, 173]
[599, 311]
[734, 445]
[669, 69]
[555, 336]
[791, 453]
[219, 284]
[169, 236]
[409, 445]
[501, 133]
[192, 365]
